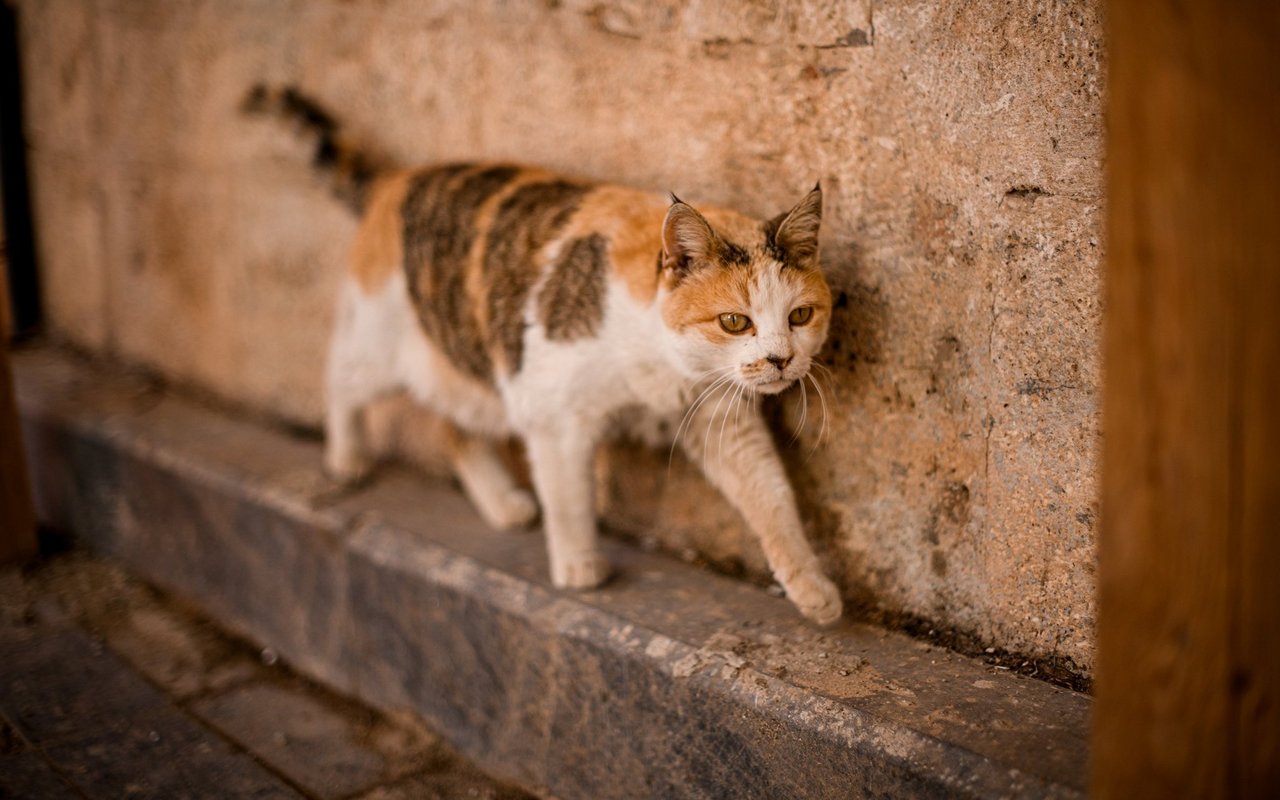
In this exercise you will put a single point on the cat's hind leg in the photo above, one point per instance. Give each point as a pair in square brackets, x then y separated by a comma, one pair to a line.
[358, 371]
[346, 456]
[488, 483]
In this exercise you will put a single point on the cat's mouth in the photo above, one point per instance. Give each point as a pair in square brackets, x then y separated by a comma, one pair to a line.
[773, 387]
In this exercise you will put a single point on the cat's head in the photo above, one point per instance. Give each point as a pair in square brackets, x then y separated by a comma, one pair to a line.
[745, 299]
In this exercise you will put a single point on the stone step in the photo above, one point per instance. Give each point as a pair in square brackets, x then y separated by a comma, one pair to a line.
[109, 689]
[670, 682]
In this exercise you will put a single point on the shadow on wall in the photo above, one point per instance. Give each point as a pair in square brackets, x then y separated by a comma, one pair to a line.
[853, 350]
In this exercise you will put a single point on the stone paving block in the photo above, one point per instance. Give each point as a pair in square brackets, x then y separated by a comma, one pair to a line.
[177, 652]
[27, 776]
[21, 619]
[444, 787]
[317, 747]
[43, 685]
[165, 757]
[310, 739]
[176, 656]
[113, 735]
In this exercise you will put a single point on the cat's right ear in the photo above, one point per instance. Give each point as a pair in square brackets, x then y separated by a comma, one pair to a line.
[687, 238]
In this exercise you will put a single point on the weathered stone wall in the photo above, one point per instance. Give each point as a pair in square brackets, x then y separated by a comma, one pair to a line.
[959, 145]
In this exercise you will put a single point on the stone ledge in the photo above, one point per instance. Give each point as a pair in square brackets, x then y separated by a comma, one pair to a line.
[670, 682]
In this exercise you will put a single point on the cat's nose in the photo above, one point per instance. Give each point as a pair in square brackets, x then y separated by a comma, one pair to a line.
[780, 362]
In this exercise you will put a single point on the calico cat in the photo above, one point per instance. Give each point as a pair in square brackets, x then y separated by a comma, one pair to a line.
[513, 301]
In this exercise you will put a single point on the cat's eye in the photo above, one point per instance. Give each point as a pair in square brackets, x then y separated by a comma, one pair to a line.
[800, 316]
[735, 323]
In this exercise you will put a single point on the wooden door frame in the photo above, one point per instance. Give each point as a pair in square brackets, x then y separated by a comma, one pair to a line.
[1188, 672]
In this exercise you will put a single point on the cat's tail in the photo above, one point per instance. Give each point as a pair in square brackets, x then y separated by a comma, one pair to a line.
[348, 170]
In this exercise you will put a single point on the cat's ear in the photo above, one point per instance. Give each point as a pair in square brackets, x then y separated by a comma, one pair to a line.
[795, 234]
[687, 238]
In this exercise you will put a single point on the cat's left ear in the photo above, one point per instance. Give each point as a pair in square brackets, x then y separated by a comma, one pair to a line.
[795, 233]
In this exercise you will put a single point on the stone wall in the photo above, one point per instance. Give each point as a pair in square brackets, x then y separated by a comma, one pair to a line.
[959, 145]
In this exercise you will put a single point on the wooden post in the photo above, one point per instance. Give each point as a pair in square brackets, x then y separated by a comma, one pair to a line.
[17, 517]
[1188, 674]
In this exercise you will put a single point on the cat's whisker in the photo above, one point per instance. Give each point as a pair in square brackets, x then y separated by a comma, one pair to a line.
[718, 374]
[826, 415]
[689, 414]
[723, 420]
[804, 413]
[804, 418]
[822, 430]
[830, 378]
[714, 371]
[726, 375]
[693, 409]
[746, 397]
[732, 405]
[715, 412]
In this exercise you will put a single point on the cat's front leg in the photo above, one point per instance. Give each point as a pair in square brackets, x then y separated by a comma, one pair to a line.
[561, 461]
[739, 458]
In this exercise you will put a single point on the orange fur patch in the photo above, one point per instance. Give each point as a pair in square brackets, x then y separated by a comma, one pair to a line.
[631, 220]
[378, 250]
[702, 297]
[734, 227]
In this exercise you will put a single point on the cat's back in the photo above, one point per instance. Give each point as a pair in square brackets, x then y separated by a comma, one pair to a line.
[479, 245]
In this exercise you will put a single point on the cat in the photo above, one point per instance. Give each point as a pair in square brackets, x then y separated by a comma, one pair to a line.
[514, 301]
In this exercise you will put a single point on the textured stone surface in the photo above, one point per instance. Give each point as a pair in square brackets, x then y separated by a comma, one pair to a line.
[90, 726]
[292, 555]
[443, 787]
[959, 146]
[182, 660]
[25, 774]
[670, 681]
[180, 655]
[298, 736]
[109, 732]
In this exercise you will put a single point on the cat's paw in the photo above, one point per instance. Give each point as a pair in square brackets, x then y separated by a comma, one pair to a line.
[580, 571]
[347, 469]
[512, 509]
[815, 596]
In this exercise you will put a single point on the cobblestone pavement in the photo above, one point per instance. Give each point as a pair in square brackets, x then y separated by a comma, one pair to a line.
[110, 690]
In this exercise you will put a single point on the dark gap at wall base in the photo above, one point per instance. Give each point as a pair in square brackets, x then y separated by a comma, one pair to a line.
[19, 240]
